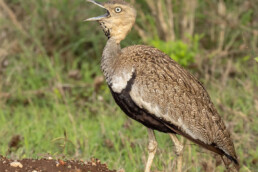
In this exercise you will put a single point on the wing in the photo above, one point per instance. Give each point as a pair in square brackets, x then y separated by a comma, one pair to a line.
[175, 97]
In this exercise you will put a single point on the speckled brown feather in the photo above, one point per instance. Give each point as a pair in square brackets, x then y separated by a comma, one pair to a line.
[161, 82]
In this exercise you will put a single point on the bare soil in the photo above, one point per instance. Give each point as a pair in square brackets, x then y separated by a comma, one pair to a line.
[51, 165]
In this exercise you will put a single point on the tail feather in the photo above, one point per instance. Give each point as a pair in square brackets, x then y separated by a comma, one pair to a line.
[231, 163]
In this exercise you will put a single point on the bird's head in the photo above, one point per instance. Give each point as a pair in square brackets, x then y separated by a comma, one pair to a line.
[118, 20]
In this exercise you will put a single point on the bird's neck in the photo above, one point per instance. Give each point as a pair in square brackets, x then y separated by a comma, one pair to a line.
[110, 54]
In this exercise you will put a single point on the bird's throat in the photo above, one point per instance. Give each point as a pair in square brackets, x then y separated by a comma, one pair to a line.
[106, 30]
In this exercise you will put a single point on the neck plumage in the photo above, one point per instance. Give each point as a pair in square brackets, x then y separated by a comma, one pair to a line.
[110, 54]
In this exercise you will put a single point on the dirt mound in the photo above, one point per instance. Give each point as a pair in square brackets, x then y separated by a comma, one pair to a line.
[51, 165]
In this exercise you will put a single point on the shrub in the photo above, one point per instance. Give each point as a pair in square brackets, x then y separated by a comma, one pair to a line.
[179, 51]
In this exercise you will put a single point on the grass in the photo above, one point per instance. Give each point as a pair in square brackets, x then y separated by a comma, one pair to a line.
[49, 96]
[95, 127]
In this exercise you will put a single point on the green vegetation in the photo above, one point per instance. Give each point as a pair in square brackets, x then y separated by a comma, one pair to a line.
[53, 96]
[178, 50]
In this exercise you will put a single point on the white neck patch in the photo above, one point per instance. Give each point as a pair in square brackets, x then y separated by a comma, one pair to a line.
[119, 81]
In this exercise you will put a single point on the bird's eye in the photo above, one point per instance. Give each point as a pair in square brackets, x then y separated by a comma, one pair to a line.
[118, 9]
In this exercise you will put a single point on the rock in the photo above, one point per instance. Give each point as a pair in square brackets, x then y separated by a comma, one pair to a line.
[16, 164]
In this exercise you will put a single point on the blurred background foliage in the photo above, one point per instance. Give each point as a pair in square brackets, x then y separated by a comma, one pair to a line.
[53, 98]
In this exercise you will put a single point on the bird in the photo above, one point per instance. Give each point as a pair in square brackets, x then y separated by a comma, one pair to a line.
[154, 90]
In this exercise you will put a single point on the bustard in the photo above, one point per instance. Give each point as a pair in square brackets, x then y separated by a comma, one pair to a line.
[154, 90]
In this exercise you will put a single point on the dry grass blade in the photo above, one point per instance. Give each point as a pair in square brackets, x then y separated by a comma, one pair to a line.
[170, 20]
[12, 16]
[188, 19]
[164, 19]
[222, 13]
[161, 20]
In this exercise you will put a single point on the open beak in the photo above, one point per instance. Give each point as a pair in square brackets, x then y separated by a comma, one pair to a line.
[99, 17]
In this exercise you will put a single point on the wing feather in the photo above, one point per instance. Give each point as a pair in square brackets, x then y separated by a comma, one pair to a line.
[173, 95]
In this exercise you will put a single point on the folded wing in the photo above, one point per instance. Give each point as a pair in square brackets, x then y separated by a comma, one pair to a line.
[176, 98]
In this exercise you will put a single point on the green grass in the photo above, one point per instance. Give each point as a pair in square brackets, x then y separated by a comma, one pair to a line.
[61, 115]
[94, 125]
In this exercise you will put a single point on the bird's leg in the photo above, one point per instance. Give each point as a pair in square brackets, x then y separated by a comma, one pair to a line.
[152, 147]
[179, 152]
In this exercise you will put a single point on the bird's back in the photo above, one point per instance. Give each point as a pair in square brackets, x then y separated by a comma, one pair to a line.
[174, 97]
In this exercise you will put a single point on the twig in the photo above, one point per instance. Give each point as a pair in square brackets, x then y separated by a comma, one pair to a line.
[162, 23]
[222, 14]
[170, 20]
[151, 5]
[188, 19]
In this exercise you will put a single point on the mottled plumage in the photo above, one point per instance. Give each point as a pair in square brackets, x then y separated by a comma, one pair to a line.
[173, 97]
[154, 90]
